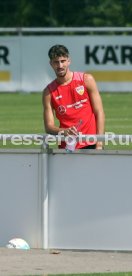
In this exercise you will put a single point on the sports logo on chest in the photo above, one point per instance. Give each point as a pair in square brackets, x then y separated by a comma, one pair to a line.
[80, 90]
[61, 109]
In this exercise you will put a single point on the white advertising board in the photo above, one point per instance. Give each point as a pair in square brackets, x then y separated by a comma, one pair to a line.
[55, 200]
[20, 197]
[10, 64]
[24, 63]
[90, 210]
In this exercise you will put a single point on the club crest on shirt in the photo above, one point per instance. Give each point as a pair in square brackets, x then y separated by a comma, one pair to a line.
[80, 90]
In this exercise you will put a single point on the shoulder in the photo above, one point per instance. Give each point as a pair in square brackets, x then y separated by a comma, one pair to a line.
[46, 95]
[89, 80]
[78, 76]
[86, 77]
[50, 87]
[45, 91]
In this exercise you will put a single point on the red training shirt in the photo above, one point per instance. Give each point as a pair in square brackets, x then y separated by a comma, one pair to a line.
[71, 103]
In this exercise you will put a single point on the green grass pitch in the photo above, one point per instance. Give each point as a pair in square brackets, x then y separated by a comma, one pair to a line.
[23, 113]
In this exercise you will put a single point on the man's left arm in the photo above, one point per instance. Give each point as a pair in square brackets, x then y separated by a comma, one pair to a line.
[97, 106]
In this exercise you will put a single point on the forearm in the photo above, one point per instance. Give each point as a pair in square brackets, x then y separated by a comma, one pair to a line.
[54, 130]
[100, 128]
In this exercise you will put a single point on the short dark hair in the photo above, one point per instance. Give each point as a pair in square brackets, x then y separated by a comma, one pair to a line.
[58, 51]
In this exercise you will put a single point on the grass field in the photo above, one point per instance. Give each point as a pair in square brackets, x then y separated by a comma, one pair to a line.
[97, 274]
[92, 274]
[22, 113]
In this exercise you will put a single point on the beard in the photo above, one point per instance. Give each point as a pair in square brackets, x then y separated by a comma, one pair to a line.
[61, 73]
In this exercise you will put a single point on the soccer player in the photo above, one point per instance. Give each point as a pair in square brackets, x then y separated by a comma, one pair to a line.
[75, 98]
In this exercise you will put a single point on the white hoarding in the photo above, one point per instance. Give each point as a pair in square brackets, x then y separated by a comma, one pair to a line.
[56, 200]
[108, 58]
[20, 198]
[10, 64]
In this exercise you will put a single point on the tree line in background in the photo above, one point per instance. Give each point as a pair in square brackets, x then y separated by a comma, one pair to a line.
[65, 13]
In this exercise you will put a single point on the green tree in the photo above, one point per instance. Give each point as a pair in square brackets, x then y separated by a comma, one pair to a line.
[102, 13]
[33, 13]
[51, 13]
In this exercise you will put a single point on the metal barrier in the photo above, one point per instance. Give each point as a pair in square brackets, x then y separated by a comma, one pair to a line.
[23, 30]
[69, 201]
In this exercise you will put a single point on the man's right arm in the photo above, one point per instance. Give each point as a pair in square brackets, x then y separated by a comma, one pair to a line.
[48, 115]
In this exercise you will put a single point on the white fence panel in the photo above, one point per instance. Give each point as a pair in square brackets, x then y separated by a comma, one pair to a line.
[20, 197]
[67, 201]
[90, 204]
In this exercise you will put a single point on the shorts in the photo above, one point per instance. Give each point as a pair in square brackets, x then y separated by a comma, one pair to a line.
[89, 147]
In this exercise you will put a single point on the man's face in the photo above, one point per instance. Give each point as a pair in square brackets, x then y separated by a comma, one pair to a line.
[60, 65]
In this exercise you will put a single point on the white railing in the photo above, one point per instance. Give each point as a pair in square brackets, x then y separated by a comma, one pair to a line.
[22, 30]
